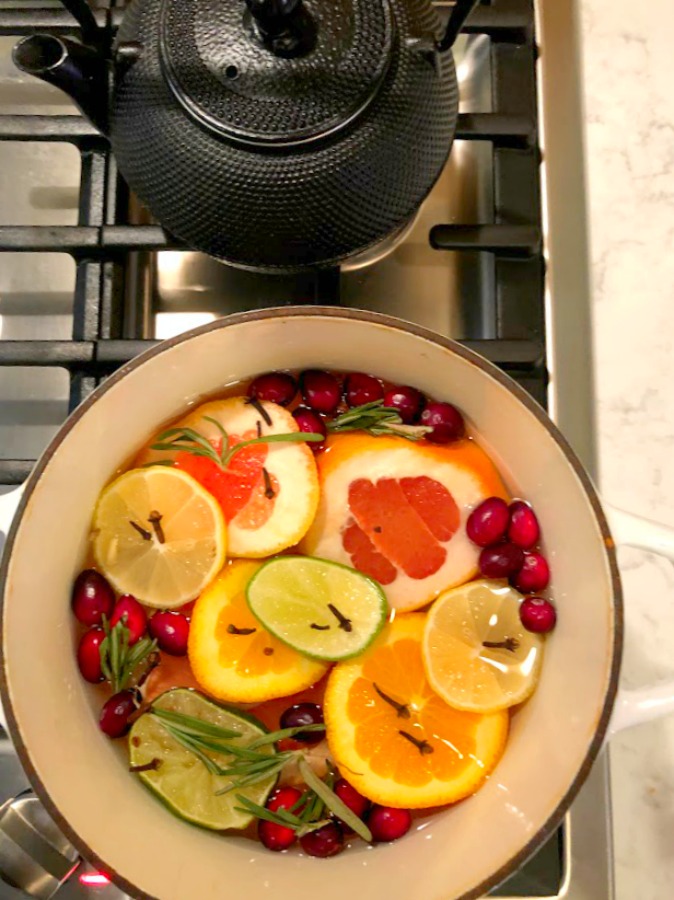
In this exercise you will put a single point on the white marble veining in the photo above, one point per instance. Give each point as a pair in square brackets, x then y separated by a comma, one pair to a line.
[629, 85]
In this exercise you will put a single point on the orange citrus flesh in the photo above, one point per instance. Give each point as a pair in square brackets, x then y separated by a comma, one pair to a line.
[232, 656]
[396, 511]
[407, 748]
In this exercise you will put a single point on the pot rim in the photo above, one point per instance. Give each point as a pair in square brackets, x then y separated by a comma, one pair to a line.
[554, 820]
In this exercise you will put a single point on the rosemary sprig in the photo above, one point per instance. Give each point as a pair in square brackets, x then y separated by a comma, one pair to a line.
[287, 818]
[309, 812]
[332, 801]
[248, 763]
[377, 419]
[119, 661]
[279, 817]
[191, 441]
[192, 723]
[259, 760]
[275, 736]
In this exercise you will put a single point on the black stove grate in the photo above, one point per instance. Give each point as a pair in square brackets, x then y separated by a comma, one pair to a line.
[107, 333]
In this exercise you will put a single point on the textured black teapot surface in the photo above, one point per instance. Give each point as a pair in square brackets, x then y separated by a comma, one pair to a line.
[276, 134]
[221, 67]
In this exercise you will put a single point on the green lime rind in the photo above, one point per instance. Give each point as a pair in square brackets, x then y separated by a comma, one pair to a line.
[290, 594]
[182, 781]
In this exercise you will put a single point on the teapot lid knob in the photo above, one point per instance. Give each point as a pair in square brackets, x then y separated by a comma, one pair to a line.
[276, 73]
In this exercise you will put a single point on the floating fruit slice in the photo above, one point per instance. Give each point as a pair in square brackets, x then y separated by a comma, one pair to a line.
[477, 654]
[397, 741]
[397, 512]
[180, 778]
[322, 609]
[268, 492]
[158, 535]
[232, 656]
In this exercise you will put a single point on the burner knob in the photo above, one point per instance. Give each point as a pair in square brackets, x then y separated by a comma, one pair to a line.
[35, 857]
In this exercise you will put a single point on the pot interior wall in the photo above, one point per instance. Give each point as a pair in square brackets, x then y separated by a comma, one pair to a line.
[84, 774]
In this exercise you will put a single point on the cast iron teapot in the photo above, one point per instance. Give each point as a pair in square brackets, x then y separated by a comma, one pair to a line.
[273, 134]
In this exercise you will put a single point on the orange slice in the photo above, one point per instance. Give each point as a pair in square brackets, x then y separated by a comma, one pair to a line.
[397, 511]
[268, 492]
[232, 656]
[395, 740]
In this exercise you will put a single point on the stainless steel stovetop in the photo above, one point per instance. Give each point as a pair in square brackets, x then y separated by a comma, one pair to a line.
[459, 294]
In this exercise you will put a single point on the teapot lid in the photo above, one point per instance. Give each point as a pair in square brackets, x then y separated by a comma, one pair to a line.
[224, 73]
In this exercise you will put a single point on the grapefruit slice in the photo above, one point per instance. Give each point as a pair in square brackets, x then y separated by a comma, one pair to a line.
[397, 511]
[268, 492]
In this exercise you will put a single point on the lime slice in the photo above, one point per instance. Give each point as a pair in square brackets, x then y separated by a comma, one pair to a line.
[158, 535]
[320, 608]
[180, 778]
[477, 654]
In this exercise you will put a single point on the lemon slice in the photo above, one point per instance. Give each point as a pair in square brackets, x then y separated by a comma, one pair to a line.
[322, 609]
[180, 778]
[157, 534]
[477, 654]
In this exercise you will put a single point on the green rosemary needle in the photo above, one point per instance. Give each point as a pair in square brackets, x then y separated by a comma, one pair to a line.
[119, 661]
[191, 441]
[377, 419]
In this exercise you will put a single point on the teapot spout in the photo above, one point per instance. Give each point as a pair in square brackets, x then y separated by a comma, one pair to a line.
[78, 70]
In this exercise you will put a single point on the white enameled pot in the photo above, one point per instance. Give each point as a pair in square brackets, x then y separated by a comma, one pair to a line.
[81, 776]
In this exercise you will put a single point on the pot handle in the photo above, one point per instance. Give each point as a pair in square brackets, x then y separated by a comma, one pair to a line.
[9, 503]
[35, 857]
[457, 19]
[635, 707]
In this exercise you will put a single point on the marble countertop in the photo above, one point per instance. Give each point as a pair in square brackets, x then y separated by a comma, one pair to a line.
[628, 62]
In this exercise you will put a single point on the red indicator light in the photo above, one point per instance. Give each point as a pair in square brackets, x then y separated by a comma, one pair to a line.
[94, 879]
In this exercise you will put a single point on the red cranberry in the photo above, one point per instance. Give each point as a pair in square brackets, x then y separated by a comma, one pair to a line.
[135, 617]
[170, 630]
[488, 522]
[311, 423]
[445, 420]
[500, 560]
[89, 655]
[276, 387]
[389, 824]
[538, 615]
[92, 598]
[324, 842]
[534, 576]
[320, 390]
[408, 401]
[275, 837]
[114, 719]
[350, 797]
[360, 389]
[283, 798]
[523, 529]
[304, 714]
